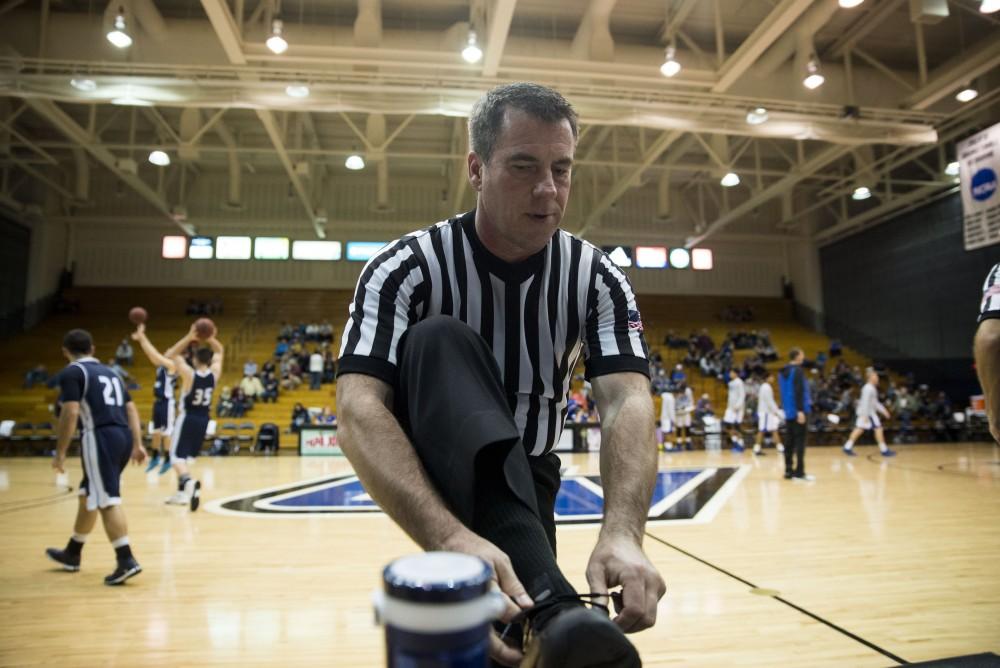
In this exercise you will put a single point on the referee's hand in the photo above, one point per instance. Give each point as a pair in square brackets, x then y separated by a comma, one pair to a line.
[619, 561]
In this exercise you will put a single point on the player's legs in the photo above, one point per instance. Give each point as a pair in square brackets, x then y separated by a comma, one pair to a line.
[156, 445]
[757, 442]
[880, 439]
[69, 556]
[851, 439]
[188, 435]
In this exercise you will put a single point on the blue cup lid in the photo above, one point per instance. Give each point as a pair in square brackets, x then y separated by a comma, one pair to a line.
[437, 577]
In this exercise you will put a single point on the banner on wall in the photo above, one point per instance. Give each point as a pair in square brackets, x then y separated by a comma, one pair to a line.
[979, 164]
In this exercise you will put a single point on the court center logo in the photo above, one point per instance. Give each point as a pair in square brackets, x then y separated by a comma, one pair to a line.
[680, 495]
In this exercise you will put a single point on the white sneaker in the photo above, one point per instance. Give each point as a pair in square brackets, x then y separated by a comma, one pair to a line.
[178, 499]
[779, 447]
[804, 478]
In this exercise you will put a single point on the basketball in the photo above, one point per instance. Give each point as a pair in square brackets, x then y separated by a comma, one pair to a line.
[204, 328]
[137, 315]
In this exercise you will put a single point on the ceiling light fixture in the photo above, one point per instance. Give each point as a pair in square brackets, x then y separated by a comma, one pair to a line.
[989, 6]
[354, 162]
[849, 4]
[730, 179]
[81, 84]
[670, 66]
[861, 192]
[813, 79]
[952, 168]
[472, 54]
[757, 115]
[159, 158]
[276, 43]
[297, 90]
[129, 100]
[967, 94]
[119, 34]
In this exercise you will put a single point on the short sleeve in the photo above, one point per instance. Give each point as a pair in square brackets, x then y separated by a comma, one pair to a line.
[384, 306]
[613, 336]
[989, 307]
[71, 384]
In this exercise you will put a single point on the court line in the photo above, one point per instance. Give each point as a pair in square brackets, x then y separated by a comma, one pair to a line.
[813, 615]
[29, 504]
[878, 459]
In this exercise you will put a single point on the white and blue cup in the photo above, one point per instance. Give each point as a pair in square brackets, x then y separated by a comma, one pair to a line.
[437, 608]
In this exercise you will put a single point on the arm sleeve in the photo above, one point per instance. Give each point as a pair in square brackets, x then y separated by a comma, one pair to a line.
[613, 339]
[71, 382]
[990, 305]
[384, 306]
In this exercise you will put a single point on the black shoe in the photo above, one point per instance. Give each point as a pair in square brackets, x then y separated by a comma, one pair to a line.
[559, 632]
[123, 572]
[788, 475]
[69, 562]
[195, 493]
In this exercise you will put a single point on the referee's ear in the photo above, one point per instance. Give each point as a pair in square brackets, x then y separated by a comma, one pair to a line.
[475, 171]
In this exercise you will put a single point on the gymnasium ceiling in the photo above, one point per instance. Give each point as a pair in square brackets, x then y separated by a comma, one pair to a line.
[386, 80]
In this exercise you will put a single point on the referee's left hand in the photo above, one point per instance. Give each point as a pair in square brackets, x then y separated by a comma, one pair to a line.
[620, 561]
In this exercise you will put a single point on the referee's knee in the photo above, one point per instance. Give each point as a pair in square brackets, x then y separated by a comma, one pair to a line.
[439, 329]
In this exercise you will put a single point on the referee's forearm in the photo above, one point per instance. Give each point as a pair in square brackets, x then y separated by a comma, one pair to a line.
[628, 467]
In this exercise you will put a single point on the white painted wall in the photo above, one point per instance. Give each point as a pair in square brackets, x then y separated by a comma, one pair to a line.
[47, 258]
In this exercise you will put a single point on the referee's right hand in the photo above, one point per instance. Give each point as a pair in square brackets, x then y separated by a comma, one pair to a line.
[517, 598]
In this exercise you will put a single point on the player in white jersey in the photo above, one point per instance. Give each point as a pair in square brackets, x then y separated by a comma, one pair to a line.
[684, 407]
[769, 417]
[668, 417]
[867, 417]
[735, 406]
[987, 348]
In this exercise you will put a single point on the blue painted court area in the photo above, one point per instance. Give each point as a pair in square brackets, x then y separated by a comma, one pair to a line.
[578, 495]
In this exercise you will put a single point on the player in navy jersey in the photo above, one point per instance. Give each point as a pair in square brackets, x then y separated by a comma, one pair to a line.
[163, 401]
[197, 390]
[110, 435]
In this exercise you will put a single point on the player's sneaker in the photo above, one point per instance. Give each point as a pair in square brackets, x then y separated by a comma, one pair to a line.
[154, 461]
[888, 453]
[849, 451]
[560, 632]
[69, 562]
[803, 477]
[125, 569]
[166, 465]
[759, 452]
[779, 447]
[737, 449]
[193, 491]
[178, 499]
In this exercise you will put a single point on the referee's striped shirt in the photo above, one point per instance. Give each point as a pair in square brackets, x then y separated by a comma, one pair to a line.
[990, 306]
[537, 315]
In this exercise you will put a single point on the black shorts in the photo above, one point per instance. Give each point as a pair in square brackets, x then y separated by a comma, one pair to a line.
[105, 453]
[163, 416]
[188, 435]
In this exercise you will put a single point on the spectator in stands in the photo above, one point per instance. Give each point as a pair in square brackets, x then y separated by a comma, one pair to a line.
[326, 416]
[252, 388]
[224, 407]
[281, 349]
[671, 340]
[300, 417]
[124, 354]
[904, 407]
[315, 369]
[122, 374]
[836, 348]
[329, 367]
[38, 374]
[267, 368]
[703, 408]
[271, 385]
[240, 403]
[249, 368]
[285, 333]
[678, 376]
[326, 332]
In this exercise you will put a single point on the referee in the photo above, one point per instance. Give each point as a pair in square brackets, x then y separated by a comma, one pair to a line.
[987, 348]
[453, 380]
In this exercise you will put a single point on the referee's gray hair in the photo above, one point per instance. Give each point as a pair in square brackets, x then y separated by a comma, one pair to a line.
[486, 119]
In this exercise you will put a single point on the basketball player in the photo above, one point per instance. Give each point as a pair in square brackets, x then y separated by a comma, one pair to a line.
[768, 417]
[110, 435]
[453, 381]
[987, 349]
[197, 388]
[163, 400]
[668, 416]
[867, 417]
[735, 405]
[684, 409]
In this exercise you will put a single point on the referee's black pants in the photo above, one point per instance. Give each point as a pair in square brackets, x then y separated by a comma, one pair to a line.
[795, 448]
[450, 401]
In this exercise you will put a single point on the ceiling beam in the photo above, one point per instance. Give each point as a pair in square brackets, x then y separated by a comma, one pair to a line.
[496, 40]
[868, 21]
[886, 207]
[769, 30]
[981, 58]
[676, 19]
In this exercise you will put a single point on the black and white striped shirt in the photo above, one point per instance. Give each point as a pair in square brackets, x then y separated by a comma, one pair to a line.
[990, 306]
[537, 315]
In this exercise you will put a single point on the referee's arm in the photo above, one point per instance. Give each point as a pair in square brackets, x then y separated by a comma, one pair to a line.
[987, 351]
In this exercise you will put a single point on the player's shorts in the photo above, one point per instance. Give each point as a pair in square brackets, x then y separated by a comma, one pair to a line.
[733, 417]
[105, 452]
[163, 416]
[666, 426]
[868, 422]
[766, 423]
[188, 435]
[684, 420]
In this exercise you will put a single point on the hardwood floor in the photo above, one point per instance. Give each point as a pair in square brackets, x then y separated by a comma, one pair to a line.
[875, 562]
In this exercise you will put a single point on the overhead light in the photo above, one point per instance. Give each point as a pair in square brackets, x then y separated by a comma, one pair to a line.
[967, 94]
[848, 4]
[159, 158]
[276, 42]
[861, 192]
[952, 168]
[813, 78]
[670, 66]
[730, 179]
[85, 85]
[297, 90]
[757, 115]
[129, 100]
[989, 6]
[472, 53]
[119, 34]
[354, 162]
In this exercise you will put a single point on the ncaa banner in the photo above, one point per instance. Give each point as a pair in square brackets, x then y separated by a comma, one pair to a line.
[979, 162]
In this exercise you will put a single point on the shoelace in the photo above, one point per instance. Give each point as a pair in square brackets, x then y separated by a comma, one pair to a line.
[541, 606]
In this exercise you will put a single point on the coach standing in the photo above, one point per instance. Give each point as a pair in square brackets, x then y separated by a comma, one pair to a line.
[987, 348]
[797, 404]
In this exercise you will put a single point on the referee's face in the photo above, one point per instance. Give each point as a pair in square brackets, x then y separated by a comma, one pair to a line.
[524, 188]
